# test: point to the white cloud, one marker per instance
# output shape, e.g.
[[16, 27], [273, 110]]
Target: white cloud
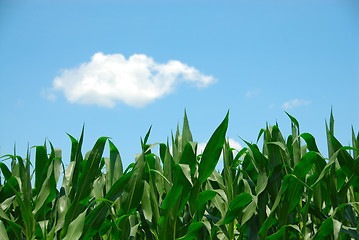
[[109, 79], [48, 94], [252, 93], [295, 103], [234, 144]]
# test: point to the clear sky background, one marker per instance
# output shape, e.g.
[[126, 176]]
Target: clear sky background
[[122, 66]]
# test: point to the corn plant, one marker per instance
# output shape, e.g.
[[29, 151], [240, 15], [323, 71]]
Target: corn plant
[[285, 189]]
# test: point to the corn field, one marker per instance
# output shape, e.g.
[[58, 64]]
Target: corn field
[[284, 190]]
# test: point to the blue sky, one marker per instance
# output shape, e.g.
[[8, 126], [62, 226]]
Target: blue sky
[[122, 66]]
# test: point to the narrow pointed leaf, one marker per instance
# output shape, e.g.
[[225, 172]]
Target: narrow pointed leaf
[[212, 151]]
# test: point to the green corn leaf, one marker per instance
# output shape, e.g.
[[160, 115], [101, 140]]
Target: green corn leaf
[[328, 228], [144, 142], [163, 150], [192, 232], [220, 201], [147, 135], [76, 157], [66, 180], [76, 146], [345, 160], [201, 202], [189, 157], [292, 190], [260, 134], [173, 204], [329, 140], [7, 190], [331, 122], [3, 214], [115, 170], [275, 181], [40, 229], [146, 202], [48, 189], [286, 232], [282, 146], [97, 216], [355, 205], [41, 165], [133, 191], [183, 174], [16, 230], [249, 211], [156, 189], [209, 160], [3, 233], [296, 154], [186, 171], [294, 121], [270, 221], [160, 174], [212, 151], [86, 178], [186, 132], [355, 142], [325, 169], [228, 172], [168, 165], [75, 228], [350, 231], [99, 187], [157, 181], [310, 140], [58, 164], [25, 200], [26, 215], [305, 165], [236, 207], [169, 213], [132, 195], [261, 162], [262, 182], [5, 171]]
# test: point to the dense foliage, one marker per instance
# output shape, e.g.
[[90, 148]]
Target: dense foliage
[[286, 190]]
